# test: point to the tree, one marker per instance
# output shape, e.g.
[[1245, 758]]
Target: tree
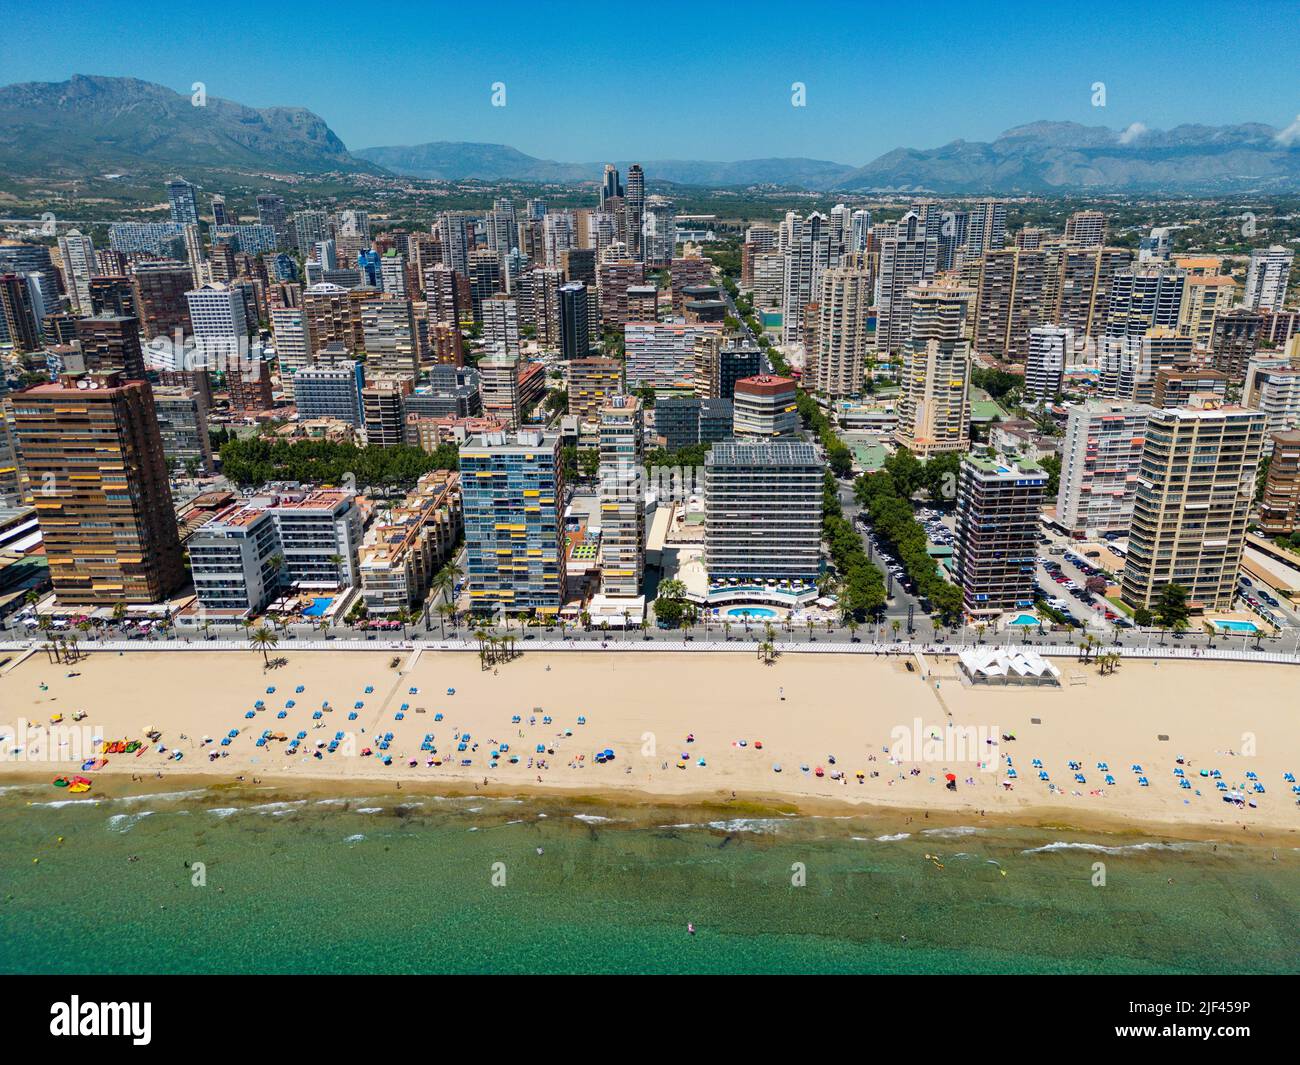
[[262, 640], [403, 617], [1171, 607], [1052, 464], [1142, 617]]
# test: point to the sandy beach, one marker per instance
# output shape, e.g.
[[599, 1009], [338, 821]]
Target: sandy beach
[[871, 715]]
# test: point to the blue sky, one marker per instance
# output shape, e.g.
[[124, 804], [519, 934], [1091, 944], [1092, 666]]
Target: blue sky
[[697, 80]]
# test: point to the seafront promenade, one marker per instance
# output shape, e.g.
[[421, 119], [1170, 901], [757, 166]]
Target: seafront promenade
[[615, 644]]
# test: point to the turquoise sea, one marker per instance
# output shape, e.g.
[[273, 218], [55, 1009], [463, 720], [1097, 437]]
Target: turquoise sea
[[404, 883]]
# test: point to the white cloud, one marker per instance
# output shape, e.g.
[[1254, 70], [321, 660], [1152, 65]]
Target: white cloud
[[1133, 132], [1289, 136]]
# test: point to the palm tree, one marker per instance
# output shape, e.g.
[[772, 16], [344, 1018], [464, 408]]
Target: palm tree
[[853, 628], [627, 620], [979, 632], [645, 626], [324, 626], [726, 628], [263, 639], [811, 626], [895, 625], [337, 562], [444, 610], [482, 637]]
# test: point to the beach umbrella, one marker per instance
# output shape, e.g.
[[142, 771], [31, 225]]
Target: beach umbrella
[[950, 776]]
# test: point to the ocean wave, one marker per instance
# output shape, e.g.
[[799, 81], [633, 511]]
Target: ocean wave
[[277, 809], [58, 804], [355, 839], [758, 825], [224, 811], [593, 819], [893, 838], [162, 796], [126, 822], [956, 832], [1100, 848], [371, 810]]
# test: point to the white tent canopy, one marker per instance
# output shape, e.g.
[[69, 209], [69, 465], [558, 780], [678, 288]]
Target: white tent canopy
[[991, 665]]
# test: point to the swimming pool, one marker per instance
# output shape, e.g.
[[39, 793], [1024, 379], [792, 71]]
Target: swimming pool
[[318, 607], [1237, 626], [1024, 619], [752, 611]]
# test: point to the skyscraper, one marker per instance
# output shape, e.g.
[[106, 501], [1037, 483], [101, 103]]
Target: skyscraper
[[905, 261], [1189, 517], [622, 497], [1267, 277], [94, 455], [843, 305], [575, 328], [933, 409], [183, 199], [998, 504], [513, 494], [78, 254]]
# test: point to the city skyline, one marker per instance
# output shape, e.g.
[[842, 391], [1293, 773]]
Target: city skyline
[[435, 78]]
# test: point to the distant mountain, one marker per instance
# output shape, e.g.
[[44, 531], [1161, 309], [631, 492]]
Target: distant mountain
[[1047, 157], [461, 160], [89, 125]]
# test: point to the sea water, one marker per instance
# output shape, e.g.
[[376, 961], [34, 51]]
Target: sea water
[[216, 880]]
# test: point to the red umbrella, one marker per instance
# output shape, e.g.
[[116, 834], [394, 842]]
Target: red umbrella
[[950, 776]]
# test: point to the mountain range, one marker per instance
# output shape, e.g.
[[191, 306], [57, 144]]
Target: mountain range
[[89, 125]]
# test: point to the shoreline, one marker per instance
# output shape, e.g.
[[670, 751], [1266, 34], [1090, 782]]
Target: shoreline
[[283, 788]]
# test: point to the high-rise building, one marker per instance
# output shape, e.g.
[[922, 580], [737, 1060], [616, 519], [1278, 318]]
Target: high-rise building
[[1049, 348], [622, 497], [20, 311], [575, 320], [905, 261], [987, 229], [662, 354], [389, 334], [634, 205], [592, 383], [1195, 488], [1175, 387], [160, 301], [1205, 297], [513, 496], [330, 390], [1279, 509], [539, 306], [763, 513], [383, 409], [403, 549], [683, 421], [843, 303], [1087, 229], [183, 200], [1233, 341], [293, 349], [183, 425], [1273, 387], [807, 255], [93, 453], [1100, 459], [934, 409], [499, 385], [111, 344], [765, 408], [78, 254], [998, 505], [501, 327], [1267, 277]]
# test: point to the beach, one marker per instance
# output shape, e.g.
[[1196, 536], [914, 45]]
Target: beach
[[699, 728]]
